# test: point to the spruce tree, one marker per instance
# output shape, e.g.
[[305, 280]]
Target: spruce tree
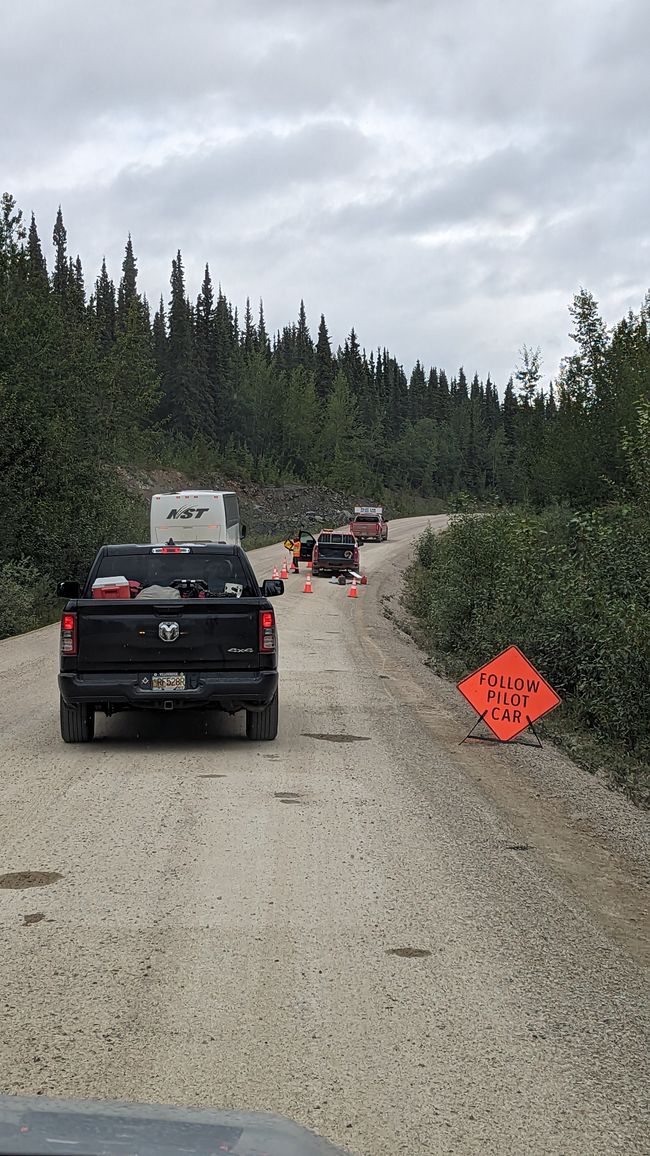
[[127, 291], [324, 362], [159, 335], [249, 335], [303, 343], [510, 412], [105, 308], [36, 264], [417, 393], [61, 273], [263, 343]]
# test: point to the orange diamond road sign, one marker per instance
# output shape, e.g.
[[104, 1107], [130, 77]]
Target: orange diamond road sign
[[508, 693]]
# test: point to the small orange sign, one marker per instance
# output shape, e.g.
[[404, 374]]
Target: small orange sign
[[508, 693]]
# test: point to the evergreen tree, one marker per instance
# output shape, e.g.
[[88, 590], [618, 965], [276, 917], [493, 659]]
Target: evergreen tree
[[205, 325], [443, 401], [510, 412], [249, 336], [417, 393], [263, 343], [105, 308], [187, 398], [76, 289], [159, 334], [303, 343], [36, 265], [324, 362], [61, 274], [127, 291]]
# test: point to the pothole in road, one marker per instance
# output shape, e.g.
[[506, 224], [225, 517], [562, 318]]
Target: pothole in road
[[17, 880], [35, 917], [338, 738], [288, 796], [213, 776], [408, 952], [516, 847]]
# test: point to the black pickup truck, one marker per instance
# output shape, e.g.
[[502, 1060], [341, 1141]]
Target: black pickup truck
[[195, 629]]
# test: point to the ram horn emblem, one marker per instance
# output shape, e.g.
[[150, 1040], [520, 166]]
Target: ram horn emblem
[[169, 631]]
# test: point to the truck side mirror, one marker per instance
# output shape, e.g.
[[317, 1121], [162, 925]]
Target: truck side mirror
[[67, 590], [272, 587], [242, 532]]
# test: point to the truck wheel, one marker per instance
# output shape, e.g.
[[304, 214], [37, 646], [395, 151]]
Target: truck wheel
[[77, 723], [262, 725]]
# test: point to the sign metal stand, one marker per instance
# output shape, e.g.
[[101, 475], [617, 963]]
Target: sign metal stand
[[503, 742]]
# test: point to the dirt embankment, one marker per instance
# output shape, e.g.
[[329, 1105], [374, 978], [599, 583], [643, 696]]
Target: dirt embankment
[[265, 509]]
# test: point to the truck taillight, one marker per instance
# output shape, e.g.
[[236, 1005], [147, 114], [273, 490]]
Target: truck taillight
[[267, 631], [69, 634]]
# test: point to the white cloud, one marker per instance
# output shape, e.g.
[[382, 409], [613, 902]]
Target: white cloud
[[441, 176]]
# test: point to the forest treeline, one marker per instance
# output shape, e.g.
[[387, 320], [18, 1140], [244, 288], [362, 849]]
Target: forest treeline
[[91, 376]]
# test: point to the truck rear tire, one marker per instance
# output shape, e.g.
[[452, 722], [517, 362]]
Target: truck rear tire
[[77, 723], [262, 725]]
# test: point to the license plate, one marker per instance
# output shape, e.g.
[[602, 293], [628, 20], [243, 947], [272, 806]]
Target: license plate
[[168, 682]]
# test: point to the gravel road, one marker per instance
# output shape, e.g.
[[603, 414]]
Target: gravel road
[[408, 945]]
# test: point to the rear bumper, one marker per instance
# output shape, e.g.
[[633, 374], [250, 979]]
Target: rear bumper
[[229, 691], [336, 566]]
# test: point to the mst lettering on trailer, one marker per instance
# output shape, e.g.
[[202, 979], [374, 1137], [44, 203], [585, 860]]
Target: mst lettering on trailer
[[188, 512], [207, 516], [508, 693]]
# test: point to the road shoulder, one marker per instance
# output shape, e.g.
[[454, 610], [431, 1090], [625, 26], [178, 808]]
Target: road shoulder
[[594, 840]]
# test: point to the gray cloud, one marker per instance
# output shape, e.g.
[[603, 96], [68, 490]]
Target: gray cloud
[[442, 176]]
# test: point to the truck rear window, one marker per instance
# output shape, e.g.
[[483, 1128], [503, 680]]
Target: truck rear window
[[365, 518], [163, 569]]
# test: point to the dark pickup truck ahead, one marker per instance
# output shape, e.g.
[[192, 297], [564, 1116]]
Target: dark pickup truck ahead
[[335, 552], [169, 627]]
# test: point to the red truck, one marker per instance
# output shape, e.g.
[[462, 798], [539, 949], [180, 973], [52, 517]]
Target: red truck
[[368, 524]]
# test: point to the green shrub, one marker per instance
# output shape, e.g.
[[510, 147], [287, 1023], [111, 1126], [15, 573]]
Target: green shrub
[[26, 598], [572, 591]]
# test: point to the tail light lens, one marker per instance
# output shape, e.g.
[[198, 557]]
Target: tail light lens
[[69, 634], [267, 631]]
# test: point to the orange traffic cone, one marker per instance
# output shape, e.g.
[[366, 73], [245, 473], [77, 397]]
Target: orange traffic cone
[[309, 565], [276, 572], [307, 587], [352, 592], [284, 573]]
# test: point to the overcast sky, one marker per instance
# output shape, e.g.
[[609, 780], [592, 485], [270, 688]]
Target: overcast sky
[[441, 174]]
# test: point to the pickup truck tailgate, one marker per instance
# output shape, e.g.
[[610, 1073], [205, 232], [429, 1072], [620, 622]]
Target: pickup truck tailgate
[[212, 633], [335, 552]]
